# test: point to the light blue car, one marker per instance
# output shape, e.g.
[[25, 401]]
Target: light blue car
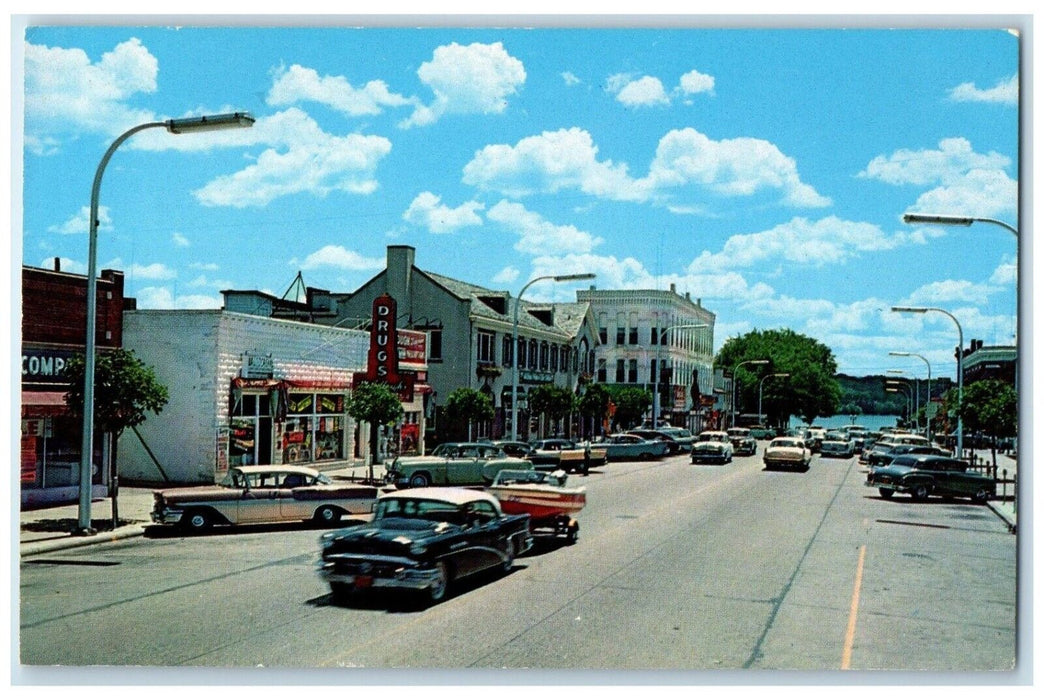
[[623, 446]]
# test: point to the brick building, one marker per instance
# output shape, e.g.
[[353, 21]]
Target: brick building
[[54, 324]]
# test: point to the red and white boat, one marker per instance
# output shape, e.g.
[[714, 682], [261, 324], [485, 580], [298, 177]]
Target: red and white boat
[[544, 496]]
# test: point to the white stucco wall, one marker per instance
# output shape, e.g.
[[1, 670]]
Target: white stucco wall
[[196, 354]]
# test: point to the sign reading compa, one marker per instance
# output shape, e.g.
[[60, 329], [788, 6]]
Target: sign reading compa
[[382, 363]]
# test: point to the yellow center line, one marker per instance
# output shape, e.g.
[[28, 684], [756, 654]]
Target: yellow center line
[[853, 613]]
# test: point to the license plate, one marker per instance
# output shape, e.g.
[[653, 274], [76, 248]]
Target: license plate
[[363, 581]]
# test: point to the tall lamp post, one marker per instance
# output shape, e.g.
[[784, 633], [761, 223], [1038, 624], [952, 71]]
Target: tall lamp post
[[235, 120], [960, 365], [761, 385], [656, 375], [735, 376], [927, 410], [514, 339], [912, 404]]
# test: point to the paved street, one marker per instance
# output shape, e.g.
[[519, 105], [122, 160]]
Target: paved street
[[678, 568]]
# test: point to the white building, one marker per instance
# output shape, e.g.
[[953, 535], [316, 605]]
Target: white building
[[244, 389], [641, 330]]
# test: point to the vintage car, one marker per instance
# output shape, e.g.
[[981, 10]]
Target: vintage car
[[814, 437], [787, 453], [928, 475], [262, 494], [622, 446], [760, 432], [559, 453], [711, 446], [837, 444], [422, 540], [683, 437], [885, 457], [657, 436], [743, 443], [514, 448], [452, 464]]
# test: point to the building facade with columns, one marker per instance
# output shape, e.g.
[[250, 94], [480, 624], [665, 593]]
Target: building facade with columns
[[641, 333]]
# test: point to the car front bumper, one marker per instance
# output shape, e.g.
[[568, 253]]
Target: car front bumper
[[168, 516], [377, 572]]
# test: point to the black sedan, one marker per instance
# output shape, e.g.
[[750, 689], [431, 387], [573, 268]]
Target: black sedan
[[923, 476], [421, 540]]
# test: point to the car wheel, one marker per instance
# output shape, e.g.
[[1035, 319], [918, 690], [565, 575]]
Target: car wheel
[[198, 521], [981, 496], [420, 480], [437, 589], [327, 515], [886, 493], [645, 455], [572, 534], [919, 492]]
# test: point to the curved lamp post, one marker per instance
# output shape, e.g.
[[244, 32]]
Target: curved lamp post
[[761, 385], [656, 376], [960, 365], [235, 120], [950, 220], [514, 339], [927, 429], [913, 402], [735, 370]]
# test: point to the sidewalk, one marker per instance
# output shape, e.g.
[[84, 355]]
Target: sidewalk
[[50, 529]]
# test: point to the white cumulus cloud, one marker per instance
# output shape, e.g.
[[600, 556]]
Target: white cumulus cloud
[[297, 84], [473, 79], [340, 257], [78, 223], [695, 82], [645, 91], [1005, 92], [427, 210], [537, 235]]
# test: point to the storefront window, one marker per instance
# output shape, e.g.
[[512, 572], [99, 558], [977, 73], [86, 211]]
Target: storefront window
[[314, 429]]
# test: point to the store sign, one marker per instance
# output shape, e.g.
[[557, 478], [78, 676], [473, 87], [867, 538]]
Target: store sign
[[45, 365], [413, 348], [257, 366], [382, 364]]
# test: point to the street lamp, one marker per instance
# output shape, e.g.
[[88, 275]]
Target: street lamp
[[761, 385], [894, 389], [927, 410], [514, 339], [949, 220], [960, 365], [913, 403], [235, 120], [735, 377], [656, 375]]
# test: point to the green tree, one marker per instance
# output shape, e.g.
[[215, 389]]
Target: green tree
[[991, 408], [554, 402], [631, 404], [811, 390], [374, 403], [594, 404], [467, 406], [125, 392]]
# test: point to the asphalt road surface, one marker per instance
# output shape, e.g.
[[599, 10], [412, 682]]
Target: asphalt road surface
[[679, 567]]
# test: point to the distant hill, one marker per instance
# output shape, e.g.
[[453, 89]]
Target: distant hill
[[868, 395]]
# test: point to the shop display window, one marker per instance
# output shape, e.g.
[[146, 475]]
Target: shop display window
[[314, 429]]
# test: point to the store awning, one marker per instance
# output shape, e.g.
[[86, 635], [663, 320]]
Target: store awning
[[43, 403]]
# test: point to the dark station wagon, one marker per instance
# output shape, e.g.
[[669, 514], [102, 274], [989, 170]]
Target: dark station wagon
[[924, 476]]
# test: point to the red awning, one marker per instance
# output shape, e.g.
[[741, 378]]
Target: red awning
[[38, 404]]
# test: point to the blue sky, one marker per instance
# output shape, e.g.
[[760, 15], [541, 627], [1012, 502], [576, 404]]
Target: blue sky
[[764, 170]]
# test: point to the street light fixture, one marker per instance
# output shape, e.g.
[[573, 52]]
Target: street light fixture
[[656, 375], [949, 220], [761, 385], [735, 377], [928, 418], [960, 365], [514, 339], [235, 120], [914, 403]]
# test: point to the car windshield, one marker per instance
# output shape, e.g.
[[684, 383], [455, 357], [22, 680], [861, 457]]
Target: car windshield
[[785, 443], [422, 509], [709, 437]]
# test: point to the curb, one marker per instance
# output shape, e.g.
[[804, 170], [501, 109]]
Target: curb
[[75, 541], [1007, 521]]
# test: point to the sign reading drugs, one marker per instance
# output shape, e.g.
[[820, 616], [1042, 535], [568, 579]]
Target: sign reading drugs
[[382, 364]]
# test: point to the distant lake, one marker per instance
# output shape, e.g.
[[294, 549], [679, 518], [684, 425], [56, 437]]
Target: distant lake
[[872, 422]]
